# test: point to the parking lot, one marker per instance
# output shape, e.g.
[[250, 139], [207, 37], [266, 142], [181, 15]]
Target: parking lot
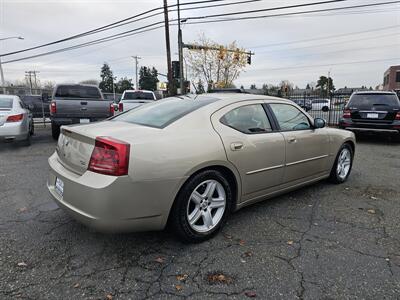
[[321, 242]]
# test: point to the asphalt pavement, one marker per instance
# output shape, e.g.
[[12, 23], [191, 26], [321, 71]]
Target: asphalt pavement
[[321, 242]]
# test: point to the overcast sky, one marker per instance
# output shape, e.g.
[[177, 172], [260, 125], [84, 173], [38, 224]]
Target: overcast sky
[[278, 54]]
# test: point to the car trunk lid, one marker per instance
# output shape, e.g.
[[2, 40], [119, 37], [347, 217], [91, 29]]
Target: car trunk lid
[[76, 143], [4, 115], [378, 115]]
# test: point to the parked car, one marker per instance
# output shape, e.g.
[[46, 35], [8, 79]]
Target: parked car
[[305, 104], [40, 104], [321, 104], [135, 98], [372, 112], [16, 123], [192, 162], [77, 104]]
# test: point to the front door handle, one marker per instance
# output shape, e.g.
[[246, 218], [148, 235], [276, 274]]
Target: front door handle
[[292, 140], [236, 146]]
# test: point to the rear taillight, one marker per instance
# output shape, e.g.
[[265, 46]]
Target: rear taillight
[[120, 107], [53, 108], [15, 118], [397, 116], [346, 114], [110, 157], [112, 109]]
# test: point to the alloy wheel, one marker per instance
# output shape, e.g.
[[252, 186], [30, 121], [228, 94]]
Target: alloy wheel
[[344, 163], [206, 206]]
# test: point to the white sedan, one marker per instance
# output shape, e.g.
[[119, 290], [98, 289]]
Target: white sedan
[[16, 123]]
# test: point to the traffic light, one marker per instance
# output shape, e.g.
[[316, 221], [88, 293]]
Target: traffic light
[[249, 59], [176, 69]]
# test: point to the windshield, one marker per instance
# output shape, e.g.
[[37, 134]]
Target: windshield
[[6, 103], [76, 91], [161, 113], [138, 96], [367, 101]]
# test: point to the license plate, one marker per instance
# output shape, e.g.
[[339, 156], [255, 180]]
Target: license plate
[[372, 116], [59, 186], [84, 121]]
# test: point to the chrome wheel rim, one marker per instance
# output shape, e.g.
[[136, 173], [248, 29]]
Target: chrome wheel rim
[[344, 162], [206, 206]]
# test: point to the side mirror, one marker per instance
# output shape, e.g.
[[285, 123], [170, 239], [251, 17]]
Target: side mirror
[[319, 123]]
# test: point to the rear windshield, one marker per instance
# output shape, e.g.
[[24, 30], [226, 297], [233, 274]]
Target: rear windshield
[[6, 103], [138, 96], [367, 101], [161, 113], [76, 91]]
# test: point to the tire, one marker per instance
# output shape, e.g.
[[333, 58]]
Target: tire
[[345, 159], [196, 200], [55, 131], [32, 129]]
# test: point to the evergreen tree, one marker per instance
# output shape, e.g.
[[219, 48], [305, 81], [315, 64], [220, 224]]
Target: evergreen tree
[[148, 78], [107, 80]]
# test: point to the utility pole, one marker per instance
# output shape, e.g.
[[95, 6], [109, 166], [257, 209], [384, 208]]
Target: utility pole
[[136, 58], [3, 82], [180, 47], [168, 47], [28, 75]]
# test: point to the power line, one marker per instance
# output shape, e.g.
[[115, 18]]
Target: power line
[[105, 27], [279, 15], [149, 28], [326, 37]]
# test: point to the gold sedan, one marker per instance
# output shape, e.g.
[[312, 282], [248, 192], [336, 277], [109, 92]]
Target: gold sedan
[[190, 162]]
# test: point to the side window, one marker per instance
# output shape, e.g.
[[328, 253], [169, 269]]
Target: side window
[[248, 119], [290, 118]]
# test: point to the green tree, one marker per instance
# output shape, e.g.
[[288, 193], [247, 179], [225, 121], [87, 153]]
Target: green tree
[[124, 84], [107, 80], [148, 78], [200, 87], [253, 87], [323, 84]]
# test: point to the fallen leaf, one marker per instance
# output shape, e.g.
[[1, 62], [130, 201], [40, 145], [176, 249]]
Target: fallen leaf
[[250, 294], [179, 287], [371, 211], [160, 260], [182, 277], [76, 285], [22, 209], [290, 242], [228, 236], [109, 297], [22, 264], [219, 278], [248, 254], [241, 242]]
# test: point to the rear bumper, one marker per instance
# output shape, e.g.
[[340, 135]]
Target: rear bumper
[[69, 121], [14, 131], [109, 203], [392, 128]]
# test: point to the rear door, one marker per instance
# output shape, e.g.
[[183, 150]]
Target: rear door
[[307, 149], [251, 145]]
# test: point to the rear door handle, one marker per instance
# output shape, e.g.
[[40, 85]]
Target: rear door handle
[[236, 146], [292, 140]]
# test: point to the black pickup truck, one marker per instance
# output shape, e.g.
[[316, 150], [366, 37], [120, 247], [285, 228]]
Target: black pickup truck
[[77, 103]]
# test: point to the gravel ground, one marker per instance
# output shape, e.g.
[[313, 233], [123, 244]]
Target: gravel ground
[[321, 242]]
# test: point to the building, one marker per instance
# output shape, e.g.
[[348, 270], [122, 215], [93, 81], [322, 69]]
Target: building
[[391, 78]]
